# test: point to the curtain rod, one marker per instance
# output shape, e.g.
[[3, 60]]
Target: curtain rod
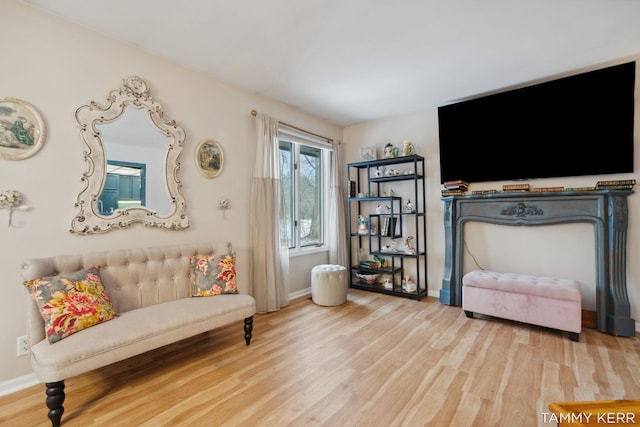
[[254, 113]]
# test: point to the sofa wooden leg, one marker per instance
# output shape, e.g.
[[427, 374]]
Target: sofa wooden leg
[[248, 328], [55, 399], [574, 336], [469, 314]]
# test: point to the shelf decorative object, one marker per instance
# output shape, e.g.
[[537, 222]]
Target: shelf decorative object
[[369, 279], [408, 207], [362, 225], [390, 151], [367, 154], [407, 148]]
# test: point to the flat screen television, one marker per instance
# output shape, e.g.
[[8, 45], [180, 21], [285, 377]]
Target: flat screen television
[[572, 126]]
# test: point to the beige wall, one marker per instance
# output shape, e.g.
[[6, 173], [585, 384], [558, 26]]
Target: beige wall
[[57, 67], [560, 250]]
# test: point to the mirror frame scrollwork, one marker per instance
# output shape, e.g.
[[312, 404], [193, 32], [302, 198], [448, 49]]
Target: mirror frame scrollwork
[[134, 93]]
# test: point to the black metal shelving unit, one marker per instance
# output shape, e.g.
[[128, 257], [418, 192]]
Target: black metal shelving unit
[[371, 185]]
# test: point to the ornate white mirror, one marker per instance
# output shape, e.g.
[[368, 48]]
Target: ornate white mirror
[[132, 163]]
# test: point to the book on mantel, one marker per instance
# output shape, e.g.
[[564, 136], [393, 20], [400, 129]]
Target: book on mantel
[[617, 184], [481, 192], [545, 189], [457, 184], [580, 188], [454, 192], [515, 187], [615, 187]]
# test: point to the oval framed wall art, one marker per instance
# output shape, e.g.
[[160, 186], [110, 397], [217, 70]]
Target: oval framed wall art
[[22, 130], [209, 158]]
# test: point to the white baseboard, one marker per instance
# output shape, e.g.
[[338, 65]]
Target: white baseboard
[[435, 294], [298, 294], [17, 384]]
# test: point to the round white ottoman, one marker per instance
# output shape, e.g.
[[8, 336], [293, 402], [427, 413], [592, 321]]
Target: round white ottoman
[[329, 284]]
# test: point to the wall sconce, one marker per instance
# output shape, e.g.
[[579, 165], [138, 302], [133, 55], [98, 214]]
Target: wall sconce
[[12, 200], [224, 206]]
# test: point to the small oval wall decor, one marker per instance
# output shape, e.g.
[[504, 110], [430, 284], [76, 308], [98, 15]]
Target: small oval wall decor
[[22, 130], [209, 158]]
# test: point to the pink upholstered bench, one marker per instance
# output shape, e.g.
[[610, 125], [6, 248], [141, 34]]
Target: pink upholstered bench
[[543, 301]]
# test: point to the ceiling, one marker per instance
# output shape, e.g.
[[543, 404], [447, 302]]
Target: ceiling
[[352, 61]]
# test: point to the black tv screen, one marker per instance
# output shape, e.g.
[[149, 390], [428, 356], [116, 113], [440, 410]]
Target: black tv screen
[[572, 126]]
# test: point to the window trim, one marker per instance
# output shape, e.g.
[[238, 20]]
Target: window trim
[[303, 137], [297, 138]]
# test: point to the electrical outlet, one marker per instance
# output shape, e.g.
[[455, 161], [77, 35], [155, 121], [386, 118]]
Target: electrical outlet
[[23, 346]]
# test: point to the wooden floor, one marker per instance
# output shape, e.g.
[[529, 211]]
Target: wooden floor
[[376, 361]]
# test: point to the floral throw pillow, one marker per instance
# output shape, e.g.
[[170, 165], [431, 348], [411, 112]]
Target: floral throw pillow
[[72, 302], [213, 275]]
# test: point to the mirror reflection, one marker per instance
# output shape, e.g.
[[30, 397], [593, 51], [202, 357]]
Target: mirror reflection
[[124, 187]]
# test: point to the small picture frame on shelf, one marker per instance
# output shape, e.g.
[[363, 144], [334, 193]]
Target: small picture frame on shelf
[[368, 153]]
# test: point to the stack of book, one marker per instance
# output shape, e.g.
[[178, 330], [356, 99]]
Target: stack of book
[[545, 189], [481, 192], [515, 187], [371, 265], [352, 189], [618, 184], [455, 188], [580, 188], [389, 226]]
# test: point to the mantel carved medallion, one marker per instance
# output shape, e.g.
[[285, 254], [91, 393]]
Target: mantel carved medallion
[[521, 210]]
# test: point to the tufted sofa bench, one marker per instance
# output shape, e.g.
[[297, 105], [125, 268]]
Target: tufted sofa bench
[[149, 290], [543, 301]]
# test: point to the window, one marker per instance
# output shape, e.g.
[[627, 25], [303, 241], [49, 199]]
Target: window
[[303, 173]]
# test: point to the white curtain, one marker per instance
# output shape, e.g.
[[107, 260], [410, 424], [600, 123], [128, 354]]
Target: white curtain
[[337, 235], [269, 260]]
